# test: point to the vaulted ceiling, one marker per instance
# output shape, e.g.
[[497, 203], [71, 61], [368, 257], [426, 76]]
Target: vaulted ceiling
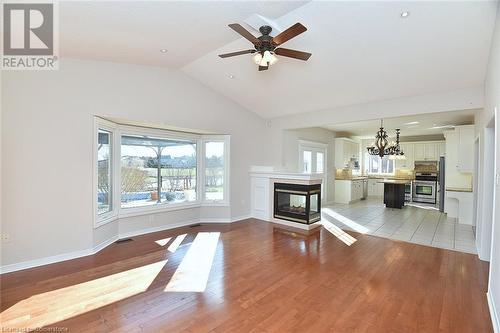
[[362, 51]]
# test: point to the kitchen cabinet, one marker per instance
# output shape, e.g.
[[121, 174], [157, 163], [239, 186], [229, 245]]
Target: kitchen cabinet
[[431, 152], [419, 151], [442, 149], [347, 191], [426, 151], [465, 158], [408, 161], [458, 170], [375, 188], [346, 150]]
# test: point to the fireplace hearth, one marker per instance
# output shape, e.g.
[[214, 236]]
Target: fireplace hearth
[[297, 202]]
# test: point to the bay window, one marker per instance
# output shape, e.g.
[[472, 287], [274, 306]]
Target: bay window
[[138, 170]]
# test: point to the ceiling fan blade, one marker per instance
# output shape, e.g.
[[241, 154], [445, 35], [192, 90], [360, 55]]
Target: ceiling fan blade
[[245, 33], [289, 33], [292, 53], [232, 54], [263, 68]]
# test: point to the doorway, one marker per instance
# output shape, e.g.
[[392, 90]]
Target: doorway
[[485, 193]]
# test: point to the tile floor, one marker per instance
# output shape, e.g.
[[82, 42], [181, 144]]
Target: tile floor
[[415, 223]]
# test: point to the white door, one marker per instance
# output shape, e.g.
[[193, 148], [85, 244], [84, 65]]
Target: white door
[[312, 159]]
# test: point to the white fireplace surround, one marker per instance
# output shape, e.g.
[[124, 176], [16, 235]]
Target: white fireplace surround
[[262, 181]]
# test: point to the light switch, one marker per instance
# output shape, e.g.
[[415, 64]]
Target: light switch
[[497, 180]]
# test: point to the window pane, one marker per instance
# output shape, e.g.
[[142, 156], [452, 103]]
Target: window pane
[[104, 188], [378, 165], [156, 170], [214, 170], [319, 163], [307, 161]]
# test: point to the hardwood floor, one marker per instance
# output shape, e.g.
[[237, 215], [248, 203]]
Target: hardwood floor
[[252, 277]]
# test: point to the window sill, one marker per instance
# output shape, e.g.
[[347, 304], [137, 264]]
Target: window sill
[[137, 211], [214, 204]]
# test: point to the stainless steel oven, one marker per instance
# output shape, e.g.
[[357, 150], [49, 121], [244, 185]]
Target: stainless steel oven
[[424, 191], [408, 190]]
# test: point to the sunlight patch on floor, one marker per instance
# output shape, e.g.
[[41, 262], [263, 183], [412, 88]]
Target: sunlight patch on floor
[[175, 244], [194, 269], [60, 304], [163, 242], [422, 206], [346, 221], [339, 233]]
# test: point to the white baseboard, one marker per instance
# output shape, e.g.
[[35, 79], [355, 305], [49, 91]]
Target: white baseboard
[[156, 229], [83, 253], [57, 258], [493, 313], [240, 218]]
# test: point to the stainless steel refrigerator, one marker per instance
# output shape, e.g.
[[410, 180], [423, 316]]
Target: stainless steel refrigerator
[[441, 181]]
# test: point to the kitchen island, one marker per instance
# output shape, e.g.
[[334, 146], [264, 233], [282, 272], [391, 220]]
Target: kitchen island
[[394, 192]]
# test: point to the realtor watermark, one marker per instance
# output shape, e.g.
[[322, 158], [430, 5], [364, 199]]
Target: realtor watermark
[[30, 34]]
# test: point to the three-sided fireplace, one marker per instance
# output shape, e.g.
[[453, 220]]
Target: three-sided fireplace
[[297, 202]]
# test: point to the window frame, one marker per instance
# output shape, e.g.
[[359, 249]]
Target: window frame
[[226, 140], [104, 218], [315, 147], [368, 167], [117, 130]]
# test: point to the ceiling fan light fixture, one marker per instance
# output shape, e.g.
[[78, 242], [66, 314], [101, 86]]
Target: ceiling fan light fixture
[[257, 58], [266, 47], [274, 59], [267, 56]]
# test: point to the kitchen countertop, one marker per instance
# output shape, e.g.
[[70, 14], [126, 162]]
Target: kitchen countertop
[[458, 189], [353, 178], [395, 181], [375, 177]]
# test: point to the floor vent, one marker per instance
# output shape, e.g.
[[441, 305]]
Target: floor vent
[[195, 225], [124, 240]]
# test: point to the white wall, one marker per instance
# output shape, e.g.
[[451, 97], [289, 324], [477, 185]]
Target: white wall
[[47, 137], [492, 101], [290, 152]]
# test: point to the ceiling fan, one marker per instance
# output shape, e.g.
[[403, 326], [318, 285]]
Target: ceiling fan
[[266, 46]]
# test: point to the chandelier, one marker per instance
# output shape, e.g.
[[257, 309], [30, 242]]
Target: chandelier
[[381, 146]]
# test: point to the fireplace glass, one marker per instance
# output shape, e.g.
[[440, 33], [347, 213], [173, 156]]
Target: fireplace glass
[[297, 202]]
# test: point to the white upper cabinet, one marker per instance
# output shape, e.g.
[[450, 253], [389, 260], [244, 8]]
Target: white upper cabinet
[[345, 150], [460, 148], [442, 149], [431, 152], [419, 151], [465, 158], [428, 151], [408, 161]]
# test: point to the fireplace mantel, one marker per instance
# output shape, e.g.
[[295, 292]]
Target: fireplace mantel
[[262, 195]]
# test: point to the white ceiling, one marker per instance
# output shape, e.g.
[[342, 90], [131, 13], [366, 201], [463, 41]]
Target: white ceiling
[[136, 31], [417, 125], [362, 51]]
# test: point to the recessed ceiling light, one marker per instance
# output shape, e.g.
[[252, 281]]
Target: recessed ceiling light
[[163, 50], [405, 14], [231, 76], [442, 126]]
